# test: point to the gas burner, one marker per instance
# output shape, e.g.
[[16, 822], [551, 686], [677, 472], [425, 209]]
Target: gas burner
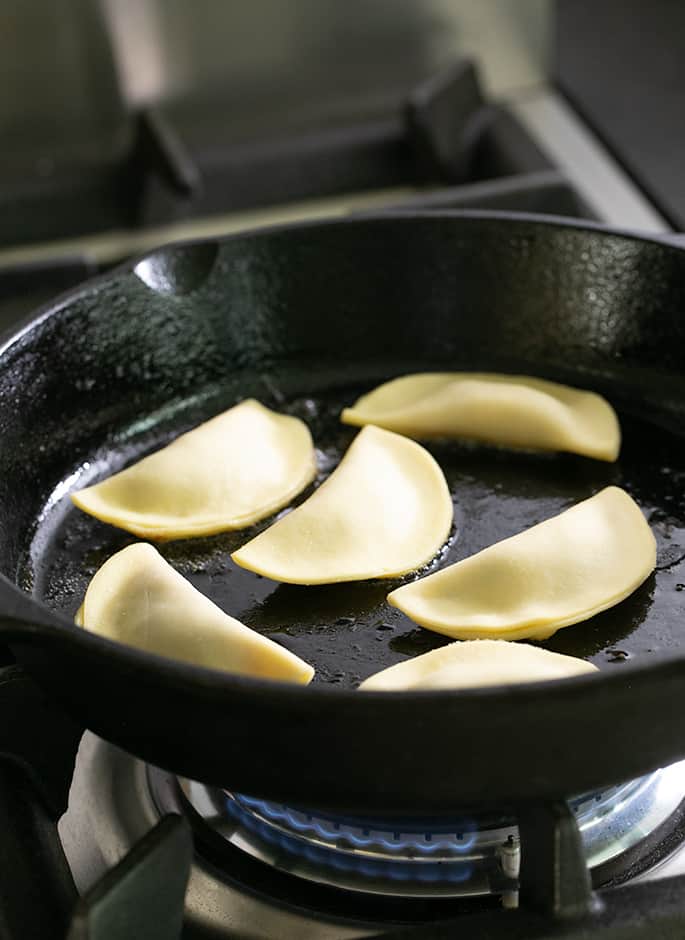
[[466, 856]]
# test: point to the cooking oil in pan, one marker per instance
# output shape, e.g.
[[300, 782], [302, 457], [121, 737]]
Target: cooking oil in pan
[[347, 631]]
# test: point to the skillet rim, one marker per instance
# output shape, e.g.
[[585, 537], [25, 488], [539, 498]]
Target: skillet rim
[[14, 333]]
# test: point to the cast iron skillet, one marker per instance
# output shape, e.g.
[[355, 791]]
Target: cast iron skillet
[[305, 318]]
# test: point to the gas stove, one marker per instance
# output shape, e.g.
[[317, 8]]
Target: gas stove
[[363, 872], [95, 843]]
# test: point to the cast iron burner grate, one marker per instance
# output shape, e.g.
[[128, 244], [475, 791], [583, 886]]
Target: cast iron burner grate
[[467, 856]]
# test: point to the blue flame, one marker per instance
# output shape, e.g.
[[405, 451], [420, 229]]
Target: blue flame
[[421, 845], [421, 868]]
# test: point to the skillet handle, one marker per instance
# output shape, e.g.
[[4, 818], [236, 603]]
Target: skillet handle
[[13, 631], [22, 618]]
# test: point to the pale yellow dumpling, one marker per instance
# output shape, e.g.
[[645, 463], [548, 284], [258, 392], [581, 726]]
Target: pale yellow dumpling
[[557, 573], [507, 410], [386, 510], [475, 663], [139, 599], [229, 472]]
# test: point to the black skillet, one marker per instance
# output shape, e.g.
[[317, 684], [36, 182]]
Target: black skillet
[[305, 318]]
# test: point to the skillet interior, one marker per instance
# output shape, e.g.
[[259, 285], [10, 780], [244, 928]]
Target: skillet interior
[[348, 631], [320, 312]]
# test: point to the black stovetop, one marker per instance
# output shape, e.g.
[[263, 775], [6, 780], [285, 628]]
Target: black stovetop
[[204, 158]]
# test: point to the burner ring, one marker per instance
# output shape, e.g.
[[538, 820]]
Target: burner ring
[[468, 856]]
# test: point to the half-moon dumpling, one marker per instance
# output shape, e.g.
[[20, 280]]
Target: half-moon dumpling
[[509, 410], [384, 511], [557, 573], [475, 663], [229, 472], [139, 599]]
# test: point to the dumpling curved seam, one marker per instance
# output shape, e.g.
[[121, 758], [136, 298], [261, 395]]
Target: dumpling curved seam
[[343, 468], [207, 526], [563, 412], [520, 626]]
